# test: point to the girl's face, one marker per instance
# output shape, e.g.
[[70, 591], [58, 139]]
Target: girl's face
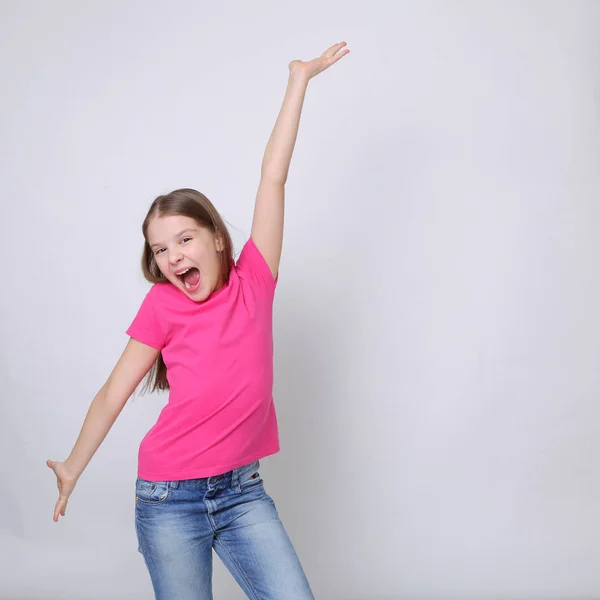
[[187, 254]]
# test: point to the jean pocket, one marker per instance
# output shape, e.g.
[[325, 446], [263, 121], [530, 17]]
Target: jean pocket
[[250, 481], [151, 492]]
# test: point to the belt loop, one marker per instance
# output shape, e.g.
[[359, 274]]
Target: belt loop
[[235, 480], [174, 484]]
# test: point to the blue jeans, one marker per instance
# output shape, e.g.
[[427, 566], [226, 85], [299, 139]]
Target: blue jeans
[[178, 523]]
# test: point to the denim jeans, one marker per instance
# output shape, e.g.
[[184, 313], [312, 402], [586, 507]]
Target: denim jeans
[[178, 523]]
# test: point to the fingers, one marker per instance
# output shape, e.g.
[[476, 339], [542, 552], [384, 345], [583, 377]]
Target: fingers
[[333, 49], [60, 508], [334, 59]]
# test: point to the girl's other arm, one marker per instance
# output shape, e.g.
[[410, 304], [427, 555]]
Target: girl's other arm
[[267, 224], [133, 365]]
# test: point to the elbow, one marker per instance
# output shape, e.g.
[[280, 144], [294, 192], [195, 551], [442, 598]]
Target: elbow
[[113, 396]]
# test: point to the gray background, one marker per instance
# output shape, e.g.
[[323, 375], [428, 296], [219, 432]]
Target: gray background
[[436, 324]]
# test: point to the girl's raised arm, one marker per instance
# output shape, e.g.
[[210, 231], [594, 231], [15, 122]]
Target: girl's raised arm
[[267, 224]]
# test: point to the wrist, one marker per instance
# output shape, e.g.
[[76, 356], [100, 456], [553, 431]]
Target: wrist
[[298, 78], [71, 470]]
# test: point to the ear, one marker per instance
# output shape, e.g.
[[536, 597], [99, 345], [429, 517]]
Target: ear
[[219, 245]]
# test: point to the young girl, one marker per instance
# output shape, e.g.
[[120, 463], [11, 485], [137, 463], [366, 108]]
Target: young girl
[[205, 330]]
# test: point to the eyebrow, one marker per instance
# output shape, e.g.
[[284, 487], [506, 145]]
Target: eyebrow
[[175, 236]]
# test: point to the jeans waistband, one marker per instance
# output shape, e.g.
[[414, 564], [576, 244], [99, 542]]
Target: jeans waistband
[[224, 480]]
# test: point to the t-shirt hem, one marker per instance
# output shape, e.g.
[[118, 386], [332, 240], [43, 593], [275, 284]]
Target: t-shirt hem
[[207, 471], [140, 337]]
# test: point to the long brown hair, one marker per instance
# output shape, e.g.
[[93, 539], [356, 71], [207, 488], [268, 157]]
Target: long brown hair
[[187, 203]]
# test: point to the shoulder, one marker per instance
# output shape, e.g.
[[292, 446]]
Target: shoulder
[[161, 298], [251, 264], [160, 293]]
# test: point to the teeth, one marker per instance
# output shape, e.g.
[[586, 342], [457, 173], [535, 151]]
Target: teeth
[[187, 286]]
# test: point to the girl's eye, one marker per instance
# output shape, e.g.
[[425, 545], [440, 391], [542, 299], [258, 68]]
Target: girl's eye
[[182, 239]]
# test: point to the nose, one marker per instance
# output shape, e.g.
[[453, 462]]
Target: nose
[[175, 258]]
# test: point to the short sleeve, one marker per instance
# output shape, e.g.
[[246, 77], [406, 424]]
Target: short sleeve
[[146, 326], [252, 267]]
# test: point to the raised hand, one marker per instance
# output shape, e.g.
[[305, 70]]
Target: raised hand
[[311, 68]]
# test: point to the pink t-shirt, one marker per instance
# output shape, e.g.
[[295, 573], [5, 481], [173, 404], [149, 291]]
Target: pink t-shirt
[[219, 356]]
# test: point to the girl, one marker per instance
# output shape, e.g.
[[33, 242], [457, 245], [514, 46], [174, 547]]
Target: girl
[[205, 330]]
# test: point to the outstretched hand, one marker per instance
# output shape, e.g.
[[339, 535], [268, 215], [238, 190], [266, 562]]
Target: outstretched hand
[[311, 68], [65, 481]]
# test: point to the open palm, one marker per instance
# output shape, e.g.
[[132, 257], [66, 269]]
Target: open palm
[[311, 68]]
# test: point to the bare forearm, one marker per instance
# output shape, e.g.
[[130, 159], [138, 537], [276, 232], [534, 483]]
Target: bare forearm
[[278, 153], [99, 419]]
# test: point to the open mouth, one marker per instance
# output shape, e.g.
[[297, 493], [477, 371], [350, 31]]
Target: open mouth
[[190, 279]]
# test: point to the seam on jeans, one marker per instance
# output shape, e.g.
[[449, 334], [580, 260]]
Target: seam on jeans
[[241, 571], [209, 515]]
